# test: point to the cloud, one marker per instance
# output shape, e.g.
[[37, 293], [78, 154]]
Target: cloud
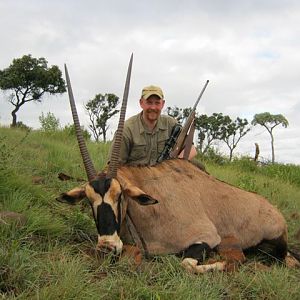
[[249, 50]]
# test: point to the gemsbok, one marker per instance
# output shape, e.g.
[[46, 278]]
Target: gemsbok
[[174, 207]]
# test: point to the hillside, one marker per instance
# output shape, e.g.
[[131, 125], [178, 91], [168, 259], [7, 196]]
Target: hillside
[[48, 251]]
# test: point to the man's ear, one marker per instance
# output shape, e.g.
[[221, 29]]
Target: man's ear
[[139, 196], [141, 103], [73, 196]]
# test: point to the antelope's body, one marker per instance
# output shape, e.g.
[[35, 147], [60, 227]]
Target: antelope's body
[[177, 207], [194, 207], [194, 213]]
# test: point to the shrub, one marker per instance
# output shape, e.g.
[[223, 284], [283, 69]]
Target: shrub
[[49, 122], [245, 163], [70, 130], [23, 126], [213, 155]]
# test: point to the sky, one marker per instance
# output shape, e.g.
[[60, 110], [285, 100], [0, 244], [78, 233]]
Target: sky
[[249, 50]]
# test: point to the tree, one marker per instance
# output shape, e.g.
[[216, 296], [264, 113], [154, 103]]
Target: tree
[[178, 113], [100, 110], [233, 131], [210, 128], [29, 79], [270, 121]]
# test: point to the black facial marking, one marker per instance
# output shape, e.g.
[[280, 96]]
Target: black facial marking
[[197, 251], [65, 198], [106, 220], [101, 185]]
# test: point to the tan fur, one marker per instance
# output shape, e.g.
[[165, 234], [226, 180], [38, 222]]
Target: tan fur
[[132, 252], [195, 207], [231, 251], [111, 197], [78, 193]]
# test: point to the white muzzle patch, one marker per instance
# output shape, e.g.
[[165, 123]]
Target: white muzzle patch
[[110, 243]]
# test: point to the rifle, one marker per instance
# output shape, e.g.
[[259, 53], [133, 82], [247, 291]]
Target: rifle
[[165, 154], [181, 136]]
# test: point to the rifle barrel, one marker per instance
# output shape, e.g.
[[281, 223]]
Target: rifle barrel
[[186, 128], [196, 104]]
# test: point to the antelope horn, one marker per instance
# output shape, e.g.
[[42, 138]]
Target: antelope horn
[[115, 153], [88, 164]]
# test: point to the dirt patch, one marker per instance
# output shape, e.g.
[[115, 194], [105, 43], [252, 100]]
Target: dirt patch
[[8, 217], [38, 180]]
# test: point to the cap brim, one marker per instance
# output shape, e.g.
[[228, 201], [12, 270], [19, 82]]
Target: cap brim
[[147, 95]]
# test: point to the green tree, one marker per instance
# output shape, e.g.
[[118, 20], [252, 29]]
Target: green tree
[[49, 122], [210, 129], [233, 131], [270, 121], [100, 110], [178, 113], [29, 79]]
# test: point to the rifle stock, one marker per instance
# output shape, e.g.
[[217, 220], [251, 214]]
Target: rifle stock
[[185, 131]]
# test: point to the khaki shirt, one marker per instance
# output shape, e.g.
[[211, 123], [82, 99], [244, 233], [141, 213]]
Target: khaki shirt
[[141, 146]]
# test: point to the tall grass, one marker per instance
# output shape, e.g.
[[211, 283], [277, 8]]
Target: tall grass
[[285, 172], [52, 256]]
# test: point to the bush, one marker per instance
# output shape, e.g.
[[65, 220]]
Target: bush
[[213, 155], [70, 130], [23, 126], [49, 122], [245, 163]]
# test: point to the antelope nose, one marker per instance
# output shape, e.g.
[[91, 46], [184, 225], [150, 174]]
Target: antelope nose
[[106, 247]]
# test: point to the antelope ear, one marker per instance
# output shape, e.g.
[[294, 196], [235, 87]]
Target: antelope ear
[[73, 196], [139, 196]]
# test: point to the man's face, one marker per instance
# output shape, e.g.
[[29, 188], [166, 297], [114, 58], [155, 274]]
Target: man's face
[[152, 107]]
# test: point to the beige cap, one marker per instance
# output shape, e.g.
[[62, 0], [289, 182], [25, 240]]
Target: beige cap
[[152, 90]]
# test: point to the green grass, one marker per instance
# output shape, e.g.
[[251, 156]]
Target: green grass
[[52, 256]]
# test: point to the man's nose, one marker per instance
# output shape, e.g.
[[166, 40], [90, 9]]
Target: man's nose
[[153, 106]]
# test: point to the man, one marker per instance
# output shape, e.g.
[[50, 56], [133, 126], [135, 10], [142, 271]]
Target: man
[[146, 133]]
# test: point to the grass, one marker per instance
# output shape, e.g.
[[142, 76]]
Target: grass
[[52, 256]]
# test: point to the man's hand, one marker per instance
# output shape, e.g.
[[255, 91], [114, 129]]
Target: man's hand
[[193, 153]]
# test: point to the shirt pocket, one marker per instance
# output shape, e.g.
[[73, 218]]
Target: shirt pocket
[[138, 152]]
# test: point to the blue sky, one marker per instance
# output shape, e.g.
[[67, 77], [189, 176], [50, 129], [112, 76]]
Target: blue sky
[[249, 50]]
